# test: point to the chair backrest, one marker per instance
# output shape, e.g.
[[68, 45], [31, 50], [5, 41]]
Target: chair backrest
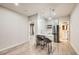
[[40, 37]]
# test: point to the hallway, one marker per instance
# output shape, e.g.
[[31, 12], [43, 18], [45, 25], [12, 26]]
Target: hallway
[[62, 48]]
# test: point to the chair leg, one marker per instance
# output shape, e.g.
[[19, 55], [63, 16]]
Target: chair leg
[[49, 48]]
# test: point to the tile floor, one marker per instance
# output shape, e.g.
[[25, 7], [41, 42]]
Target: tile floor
[[62, 48]]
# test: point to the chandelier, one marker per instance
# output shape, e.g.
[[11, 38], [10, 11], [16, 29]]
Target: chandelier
[[52, 14]]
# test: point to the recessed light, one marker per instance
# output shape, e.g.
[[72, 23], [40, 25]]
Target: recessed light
[[16, 4]]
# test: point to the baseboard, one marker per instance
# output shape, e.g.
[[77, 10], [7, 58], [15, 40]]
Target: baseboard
[[5, 50], [76, 50]]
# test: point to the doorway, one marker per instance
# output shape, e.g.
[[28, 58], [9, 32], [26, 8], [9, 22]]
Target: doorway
[[31, 34], [64, 31]]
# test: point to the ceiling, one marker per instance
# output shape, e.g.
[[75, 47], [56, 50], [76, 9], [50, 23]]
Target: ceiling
[[28, 9]]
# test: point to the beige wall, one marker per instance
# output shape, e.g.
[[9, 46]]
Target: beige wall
[[74, 27], [13, 29]]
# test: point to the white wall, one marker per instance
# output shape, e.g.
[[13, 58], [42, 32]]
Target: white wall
[[41, 25], [13, 29], [74, 33], [32, 20]]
